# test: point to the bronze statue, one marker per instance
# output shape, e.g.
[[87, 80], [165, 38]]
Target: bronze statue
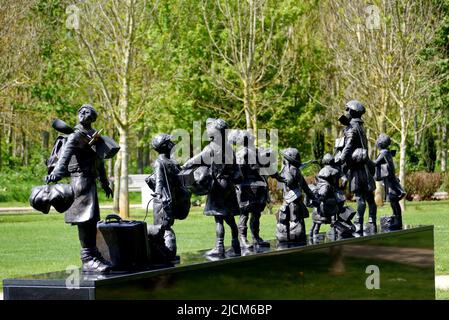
[[353, 156], [221, 201], [171, 200], [385, 172], [291, 215], [84, 166], [332, 199], [252, 192]]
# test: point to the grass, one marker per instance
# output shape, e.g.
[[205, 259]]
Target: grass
[[37, 243]]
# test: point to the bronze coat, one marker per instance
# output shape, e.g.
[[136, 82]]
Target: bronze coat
[[82, 164], [360, 175]]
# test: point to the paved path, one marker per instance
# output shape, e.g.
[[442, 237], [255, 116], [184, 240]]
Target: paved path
[[442, 282], [29, 209]]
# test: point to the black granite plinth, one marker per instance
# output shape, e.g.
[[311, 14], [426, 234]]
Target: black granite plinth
[[324, 270]]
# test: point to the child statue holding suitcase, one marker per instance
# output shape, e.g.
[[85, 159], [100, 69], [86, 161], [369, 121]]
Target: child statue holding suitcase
[[332, 199], [84, 166], [171, 201], [291, 215], [385, 172]]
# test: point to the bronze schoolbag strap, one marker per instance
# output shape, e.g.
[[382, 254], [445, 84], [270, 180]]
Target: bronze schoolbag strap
[[166, 179]]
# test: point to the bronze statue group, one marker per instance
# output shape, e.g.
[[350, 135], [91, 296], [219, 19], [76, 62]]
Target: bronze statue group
[[229, 172], [236, 186]]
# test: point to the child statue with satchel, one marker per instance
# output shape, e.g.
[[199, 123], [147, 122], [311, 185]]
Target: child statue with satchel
[[291, 215], [385, 172], [358, 167], [218, 164], [79, 156], [171, 201], [252, 191]]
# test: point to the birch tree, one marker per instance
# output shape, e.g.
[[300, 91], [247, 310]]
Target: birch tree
[[17, 42], [251, 46], [378, 52], [19, 66], [111, 35]]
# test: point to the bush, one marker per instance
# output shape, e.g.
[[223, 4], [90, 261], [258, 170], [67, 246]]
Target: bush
[[275, 191], [15, 185], [422, 185]]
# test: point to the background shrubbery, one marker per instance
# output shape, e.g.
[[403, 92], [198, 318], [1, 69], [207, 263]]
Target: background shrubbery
[[15, 186], [422, 185]]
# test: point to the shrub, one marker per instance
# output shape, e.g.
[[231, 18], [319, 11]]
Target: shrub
[[422, 185], [15, 185], [275, 190]]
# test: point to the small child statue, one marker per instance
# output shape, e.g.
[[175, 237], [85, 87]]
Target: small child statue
[[291, 215], [325, 190], [171, 201], [252, 192], [385, 172], [332, 209]]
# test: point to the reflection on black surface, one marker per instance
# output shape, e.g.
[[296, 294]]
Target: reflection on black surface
[[191, 258], [322, 269]]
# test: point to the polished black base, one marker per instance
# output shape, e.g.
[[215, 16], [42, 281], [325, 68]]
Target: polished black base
[[393, 265]]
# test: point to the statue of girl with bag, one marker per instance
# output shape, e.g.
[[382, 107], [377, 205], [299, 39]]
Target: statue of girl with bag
[[385, 172], [219, 158]]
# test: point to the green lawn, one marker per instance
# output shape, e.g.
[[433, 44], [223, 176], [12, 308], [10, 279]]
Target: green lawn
[[37, 243]]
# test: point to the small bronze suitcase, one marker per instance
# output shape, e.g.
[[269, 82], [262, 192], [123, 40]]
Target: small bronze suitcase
[[124, 243]]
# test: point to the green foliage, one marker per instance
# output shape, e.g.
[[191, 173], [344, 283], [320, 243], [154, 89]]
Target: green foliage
[[428, 150], [16, 185], [177, 56], [318, 145]]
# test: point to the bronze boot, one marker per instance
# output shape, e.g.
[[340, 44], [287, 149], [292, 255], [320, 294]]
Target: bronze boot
[[93, 262], [218, 251]]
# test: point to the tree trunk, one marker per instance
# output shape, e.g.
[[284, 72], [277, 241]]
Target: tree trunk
[[110, 169], [146, 149], [118, 162], [1, 138], [24, 149], [139, 155], [139, 152], [45, 135], [403, 150], [9, 138], [254, 114], [379, 194], [415, 131], [124, 197], [444, 147], [247, 105]]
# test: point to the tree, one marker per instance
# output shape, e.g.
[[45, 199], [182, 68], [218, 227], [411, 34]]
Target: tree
[[379, 57], [428, 150], [19, 65], [318, 145], [251, 45], [111, 34]]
